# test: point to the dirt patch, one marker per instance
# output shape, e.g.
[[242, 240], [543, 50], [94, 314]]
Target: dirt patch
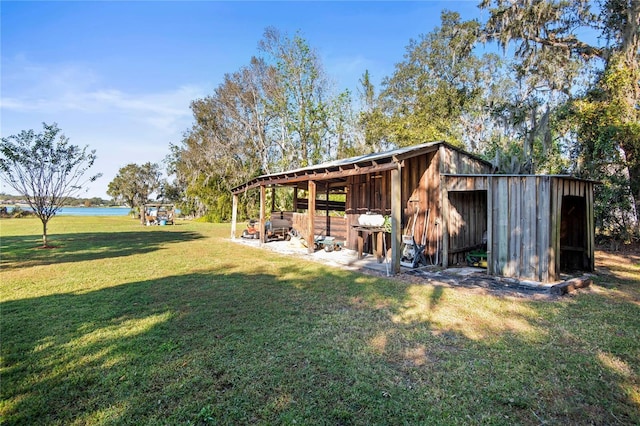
[[476, 280], [621, 264]]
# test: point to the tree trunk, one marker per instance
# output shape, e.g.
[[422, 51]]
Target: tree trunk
[[44, 234], [142, 211]]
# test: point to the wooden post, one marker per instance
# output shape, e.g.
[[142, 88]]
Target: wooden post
[[311, 213], [396, 218], [263, 234], [445, 221], [273, 198], [591, 226], [556, 211], [379, 249], [327, 217], [295, 198], [234, 216], [502, 226], [360, 243], [490, 266]]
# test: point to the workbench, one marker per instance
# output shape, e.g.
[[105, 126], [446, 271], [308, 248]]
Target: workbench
[[377, 233]]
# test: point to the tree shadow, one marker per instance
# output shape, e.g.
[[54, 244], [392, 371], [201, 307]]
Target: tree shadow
[[23, 251], [111, 353], [290, 343]]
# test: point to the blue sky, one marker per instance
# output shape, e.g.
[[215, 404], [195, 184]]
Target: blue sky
[[119, 76]]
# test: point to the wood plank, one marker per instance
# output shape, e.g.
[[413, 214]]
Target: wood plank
[[513, 262], [384, 188], [556, 189], [396, 218], [490, 267], [591, 228], [446, 218], [558, 215], [317, 175], [442, 161], [263, 234], [529, 231], [311, 216], [544, 227], [234, 215], [502, 201]]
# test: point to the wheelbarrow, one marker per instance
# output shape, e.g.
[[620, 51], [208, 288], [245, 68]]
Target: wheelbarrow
[[327, 244], [477, 258]]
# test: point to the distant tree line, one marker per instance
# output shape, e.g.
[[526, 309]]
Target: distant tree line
[[558, 104], [71, 201]]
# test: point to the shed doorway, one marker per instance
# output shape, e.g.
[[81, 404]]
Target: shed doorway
[[467, 227], [573, 235]]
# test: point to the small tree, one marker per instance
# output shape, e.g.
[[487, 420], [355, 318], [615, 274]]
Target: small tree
[[45, 169], [134, 184]]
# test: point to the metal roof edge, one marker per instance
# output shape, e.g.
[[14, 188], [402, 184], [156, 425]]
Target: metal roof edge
[[519, 175], [401, 153]]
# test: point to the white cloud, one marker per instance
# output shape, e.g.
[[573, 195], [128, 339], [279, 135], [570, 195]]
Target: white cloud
[[66, 89], [123, 127]]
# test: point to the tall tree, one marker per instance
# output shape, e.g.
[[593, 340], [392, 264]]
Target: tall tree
[[134, 184], [300, 101], [275, 114], [229, 141], [371, 118], [547, 39], [45, 169], [545, 69], [440, 83]]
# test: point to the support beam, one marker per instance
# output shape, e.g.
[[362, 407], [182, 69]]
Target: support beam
[[445, 225], [273, 198], [591, 227], [263, 234], [311, 213], [327, 218], [295, 198], [234, 216], [396, 218], [490, 264]]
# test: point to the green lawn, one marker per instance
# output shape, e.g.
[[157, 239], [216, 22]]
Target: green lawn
[[125, 324]]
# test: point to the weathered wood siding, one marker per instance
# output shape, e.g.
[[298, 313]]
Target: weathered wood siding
[[461, 223], [421, 201], [522, 219], [527, 238], [537, 226], [457, 162], [366, 193], [421, 194], [323, 225]]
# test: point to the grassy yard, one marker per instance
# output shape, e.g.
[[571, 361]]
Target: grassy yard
[[124, 324]]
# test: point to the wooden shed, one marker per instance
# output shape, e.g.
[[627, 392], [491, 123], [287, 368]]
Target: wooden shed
[[537, 225], [447, 198]]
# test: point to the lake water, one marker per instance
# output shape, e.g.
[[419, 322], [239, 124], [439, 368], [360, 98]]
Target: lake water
[[88, 211], [94, 211]]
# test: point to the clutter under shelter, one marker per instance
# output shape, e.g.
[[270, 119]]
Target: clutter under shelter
[[435, 204], [158, 214]]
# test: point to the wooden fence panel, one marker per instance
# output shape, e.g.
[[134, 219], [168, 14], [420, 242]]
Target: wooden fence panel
[[529, 256], [322, 225]]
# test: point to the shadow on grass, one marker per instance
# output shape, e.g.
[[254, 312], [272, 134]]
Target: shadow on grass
[[318, 348], [23, 251]]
